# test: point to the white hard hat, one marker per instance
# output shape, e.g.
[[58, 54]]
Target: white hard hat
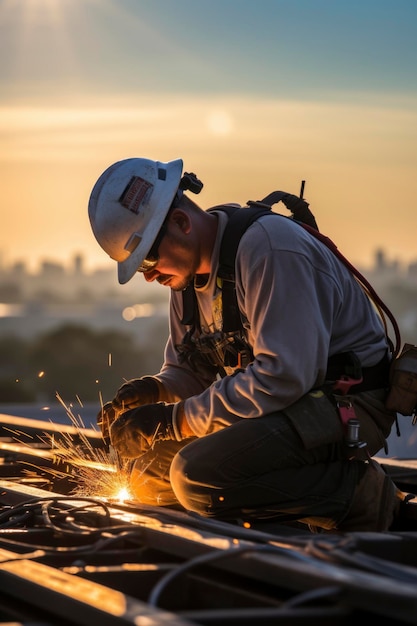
[[127, 207]]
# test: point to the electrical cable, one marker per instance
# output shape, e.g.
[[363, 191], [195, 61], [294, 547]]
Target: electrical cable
[[359, 560], [48, 501], [45, 514], [312, 595], [211, 557]]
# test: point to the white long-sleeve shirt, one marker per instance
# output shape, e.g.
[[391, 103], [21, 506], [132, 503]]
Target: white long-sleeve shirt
[[300, 305]]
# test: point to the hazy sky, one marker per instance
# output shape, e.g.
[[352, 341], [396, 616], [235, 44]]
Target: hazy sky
[[254, 96]]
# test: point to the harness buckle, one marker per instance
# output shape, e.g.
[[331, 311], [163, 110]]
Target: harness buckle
[[344, 383], [350, 423]]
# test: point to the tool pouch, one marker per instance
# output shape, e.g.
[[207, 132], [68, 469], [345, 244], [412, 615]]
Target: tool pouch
[[316, 419], [402, 394]]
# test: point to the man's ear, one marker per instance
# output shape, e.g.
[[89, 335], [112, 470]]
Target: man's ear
[[181, 219]]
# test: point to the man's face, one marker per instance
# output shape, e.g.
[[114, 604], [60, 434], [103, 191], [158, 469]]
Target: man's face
[[178, 259]]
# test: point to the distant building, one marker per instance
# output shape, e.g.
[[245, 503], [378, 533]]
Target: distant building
[[78, 265], [412, 271]]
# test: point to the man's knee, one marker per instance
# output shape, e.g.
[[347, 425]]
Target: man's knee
[[191, 492]]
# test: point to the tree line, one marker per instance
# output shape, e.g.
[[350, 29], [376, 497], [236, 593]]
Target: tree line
[[73, 361]]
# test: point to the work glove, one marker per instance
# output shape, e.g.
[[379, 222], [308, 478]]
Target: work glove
[[137, 392], [136, 430], [132, 393]]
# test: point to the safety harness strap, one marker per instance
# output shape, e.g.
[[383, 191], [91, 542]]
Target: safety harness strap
[[189, 306], [239, 220]]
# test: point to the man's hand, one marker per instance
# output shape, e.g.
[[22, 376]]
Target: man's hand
[[132, 393], [137, 392], [136, 430]]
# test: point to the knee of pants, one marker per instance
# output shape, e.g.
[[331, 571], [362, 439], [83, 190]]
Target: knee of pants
[[192, 494]]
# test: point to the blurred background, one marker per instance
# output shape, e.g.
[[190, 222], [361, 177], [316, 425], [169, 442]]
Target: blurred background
[[253, 97]]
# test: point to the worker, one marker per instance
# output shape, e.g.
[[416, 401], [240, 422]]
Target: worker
[[253, 424]]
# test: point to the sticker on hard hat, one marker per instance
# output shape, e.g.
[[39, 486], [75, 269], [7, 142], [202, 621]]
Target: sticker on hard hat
[[135, 193]]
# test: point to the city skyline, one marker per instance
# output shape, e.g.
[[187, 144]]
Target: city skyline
[[77, 264]]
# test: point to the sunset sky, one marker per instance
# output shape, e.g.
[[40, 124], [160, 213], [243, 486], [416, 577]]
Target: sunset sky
[[254, 96]]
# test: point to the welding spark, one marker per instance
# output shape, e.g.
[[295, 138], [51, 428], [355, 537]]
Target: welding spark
[[123, 494], [100, 472], [95, 469], [83, 459]]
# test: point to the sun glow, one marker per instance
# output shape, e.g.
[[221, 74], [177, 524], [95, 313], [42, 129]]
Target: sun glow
[[41, 46], [28, 17]]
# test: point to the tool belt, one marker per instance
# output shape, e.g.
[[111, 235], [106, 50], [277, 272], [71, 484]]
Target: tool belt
[[346, 375]]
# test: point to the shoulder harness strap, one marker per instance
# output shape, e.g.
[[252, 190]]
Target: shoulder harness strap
[[239, 220]]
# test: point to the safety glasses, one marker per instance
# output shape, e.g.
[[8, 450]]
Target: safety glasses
[[152, 258]]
